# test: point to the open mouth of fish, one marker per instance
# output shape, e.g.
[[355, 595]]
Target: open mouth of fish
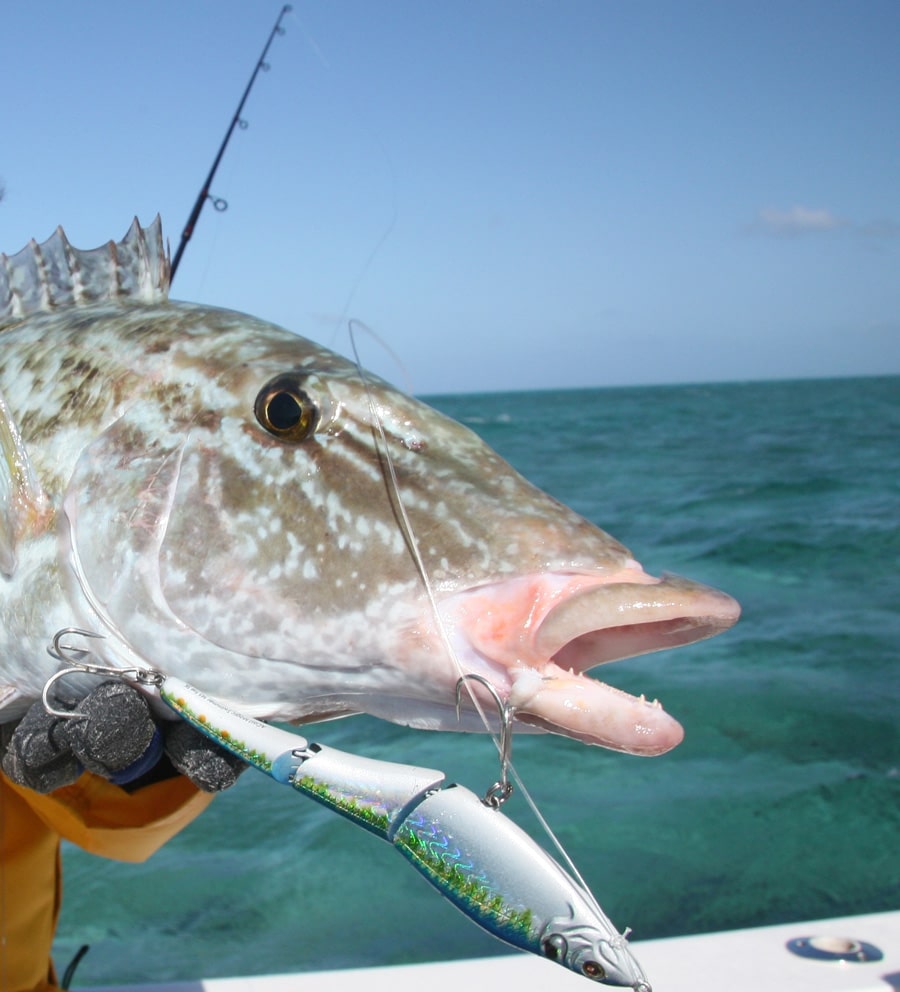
[[535, 637]]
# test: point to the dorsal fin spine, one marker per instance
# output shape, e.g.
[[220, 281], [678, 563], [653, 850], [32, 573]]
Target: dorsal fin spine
[[43, 287], [73, 261], [55, 274]]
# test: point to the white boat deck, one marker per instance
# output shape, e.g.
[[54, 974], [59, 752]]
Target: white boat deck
[[756, 960]]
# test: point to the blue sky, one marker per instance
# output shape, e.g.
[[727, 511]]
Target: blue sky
[[512, 195]]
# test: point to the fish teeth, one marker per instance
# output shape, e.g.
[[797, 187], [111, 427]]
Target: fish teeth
[[656, 704]]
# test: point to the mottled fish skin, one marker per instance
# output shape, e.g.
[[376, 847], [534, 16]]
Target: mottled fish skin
[[275, 574]]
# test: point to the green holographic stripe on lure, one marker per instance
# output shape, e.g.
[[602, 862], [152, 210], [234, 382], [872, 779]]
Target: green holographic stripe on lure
[[224, 737], [360, 812], [432, 851]]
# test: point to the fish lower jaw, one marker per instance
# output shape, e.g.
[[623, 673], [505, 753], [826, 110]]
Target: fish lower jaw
[[551, 699], [585, 709]]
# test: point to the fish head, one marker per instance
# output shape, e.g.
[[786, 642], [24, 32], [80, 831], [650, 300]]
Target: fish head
[[304, 540], [597, 952]]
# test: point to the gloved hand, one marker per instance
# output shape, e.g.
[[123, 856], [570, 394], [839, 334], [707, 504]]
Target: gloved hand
[[114, 735]]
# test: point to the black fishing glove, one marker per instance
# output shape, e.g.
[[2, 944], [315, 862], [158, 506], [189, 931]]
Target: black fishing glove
[[115, 736]]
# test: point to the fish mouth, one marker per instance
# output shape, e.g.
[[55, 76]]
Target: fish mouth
[[536, 637]]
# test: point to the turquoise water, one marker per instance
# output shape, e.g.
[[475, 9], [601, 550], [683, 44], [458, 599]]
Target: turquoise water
[[783, 802]]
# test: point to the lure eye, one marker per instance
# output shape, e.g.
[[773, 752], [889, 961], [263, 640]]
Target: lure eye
[[555, 947], [594, 970], [284, 409]]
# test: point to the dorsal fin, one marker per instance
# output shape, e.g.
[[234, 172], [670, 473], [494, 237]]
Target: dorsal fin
[[54, 274]]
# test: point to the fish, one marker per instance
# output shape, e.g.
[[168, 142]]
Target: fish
[[227, 502]]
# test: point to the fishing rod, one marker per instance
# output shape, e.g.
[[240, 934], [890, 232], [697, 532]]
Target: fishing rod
[[237, 120]]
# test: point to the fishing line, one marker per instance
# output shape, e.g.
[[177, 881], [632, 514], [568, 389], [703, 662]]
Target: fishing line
[[213, 245], [409, 535], [361, 119], [310, 40], [419, 562], [367, 264], [380, 341]]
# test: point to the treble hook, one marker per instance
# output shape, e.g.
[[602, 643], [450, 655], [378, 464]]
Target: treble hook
[[502, 789], [65, 653], [61, 651]]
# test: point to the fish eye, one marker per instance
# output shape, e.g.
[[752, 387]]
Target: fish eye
[[594, 970], [284, 409], [555, 947]]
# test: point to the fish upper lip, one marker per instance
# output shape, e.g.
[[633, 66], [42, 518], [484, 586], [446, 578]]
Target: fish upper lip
[[608, 621]]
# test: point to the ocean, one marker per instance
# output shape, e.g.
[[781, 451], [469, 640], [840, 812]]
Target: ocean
[[783, 802]]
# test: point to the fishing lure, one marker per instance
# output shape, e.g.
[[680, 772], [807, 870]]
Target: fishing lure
[[472, 853]]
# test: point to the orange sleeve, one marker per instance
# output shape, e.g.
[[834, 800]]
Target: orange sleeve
[[97, 816], [29, 893], [126, 826]]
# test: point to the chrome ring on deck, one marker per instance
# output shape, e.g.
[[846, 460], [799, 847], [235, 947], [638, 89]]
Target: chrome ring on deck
[[827, 947]]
